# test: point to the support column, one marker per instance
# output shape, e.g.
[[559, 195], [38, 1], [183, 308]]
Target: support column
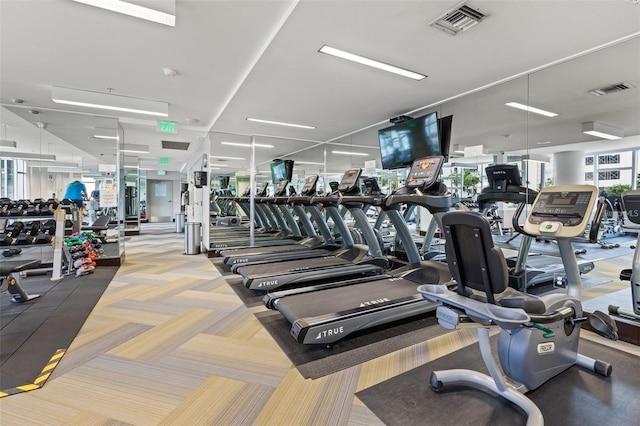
[[568, 168]]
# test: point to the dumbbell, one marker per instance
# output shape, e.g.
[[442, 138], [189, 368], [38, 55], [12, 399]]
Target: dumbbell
[[32, 227], [24, 239], [48, 227], [42, 238]]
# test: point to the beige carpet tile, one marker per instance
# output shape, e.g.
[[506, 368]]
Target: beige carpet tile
[[164, 337], [220, 401], [300, 401]]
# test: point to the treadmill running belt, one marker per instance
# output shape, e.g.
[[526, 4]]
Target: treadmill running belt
[[289, 266], [345, 298]]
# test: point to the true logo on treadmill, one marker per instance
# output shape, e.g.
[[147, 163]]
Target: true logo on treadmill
[[330, 332], [375, 302], [240, 260], [268, 283]]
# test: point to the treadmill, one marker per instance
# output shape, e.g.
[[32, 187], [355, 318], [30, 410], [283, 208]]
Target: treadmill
[[312, 246], [325, 314], [277, 234], [355, 260]]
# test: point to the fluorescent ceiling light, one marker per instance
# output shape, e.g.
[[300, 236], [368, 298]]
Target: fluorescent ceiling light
[[531, 109], [260, 145], [105, 137], [217, 166], [309, 162], [30, 156], [226, 158], [370, 62], [600, 130], [535, 158], [280, 123], [5, 143], [349, 153], [544, 142], [58, 165], [134, 10], [64, 95], [136, 149]]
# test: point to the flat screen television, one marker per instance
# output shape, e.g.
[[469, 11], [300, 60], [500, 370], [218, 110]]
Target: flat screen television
[[405, 142], [499, 176], [224, 181], [281, 170], [444, 134]]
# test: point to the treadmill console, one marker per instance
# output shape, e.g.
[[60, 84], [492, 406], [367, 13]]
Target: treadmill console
[[281, 190], [424, 172], [631, 204], [309, 186], [263, 191], [349, 182], [561, 211]]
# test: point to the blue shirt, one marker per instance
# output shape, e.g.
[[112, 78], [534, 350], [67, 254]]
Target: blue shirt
[[75, 191]]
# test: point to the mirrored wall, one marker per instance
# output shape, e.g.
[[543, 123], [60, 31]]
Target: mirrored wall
[[53, 150]]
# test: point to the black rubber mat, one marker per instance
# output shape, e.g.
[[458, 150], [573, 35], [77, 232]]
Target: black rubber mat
[[33, 332], [575, 397], [318, 361]]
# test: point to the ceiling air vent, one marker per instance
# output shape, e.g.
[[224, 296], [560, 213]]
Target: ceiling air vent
[[614, 88], [182, 146], [458, 19]]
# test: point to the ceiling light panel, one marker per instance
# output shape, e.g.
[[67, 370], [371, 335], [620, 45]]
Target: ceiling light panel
[[531, 109], [85, 98], [600, 130], [259, 145], [136, 149], [370, 62], [130, 9], [349, 153], [280, 123], [5, 143], [213, 157], [30, 156]]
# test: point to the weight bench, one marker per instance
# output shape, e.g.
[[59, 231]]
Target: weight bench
[[99, 228], [10, 279]]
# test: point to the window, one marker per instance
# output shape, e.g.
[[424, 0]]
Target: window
[[588, 161], [609, 159], [609, 175], [588, 176]]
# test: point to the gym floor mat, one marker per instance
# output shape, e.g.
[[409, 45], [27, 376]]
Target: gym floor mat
[[575, 397], [317, 361], [33, 332]]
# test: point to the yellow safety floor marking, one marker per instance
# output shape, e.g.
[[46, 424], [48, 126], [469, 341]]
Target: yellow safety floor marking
[[40, 380]]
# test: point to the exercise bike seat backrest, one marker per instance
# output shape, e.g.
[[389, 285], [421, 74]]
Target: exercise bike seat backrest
[[478, 266]]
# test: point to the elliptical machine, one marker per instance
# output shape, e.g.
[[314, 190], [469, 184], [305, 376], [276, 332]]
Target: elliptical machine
[[539, 336], [631, 205]]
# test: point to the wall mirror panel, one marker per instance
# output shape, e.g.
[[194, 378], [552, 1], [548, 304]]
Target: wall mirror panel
[[53, 149]]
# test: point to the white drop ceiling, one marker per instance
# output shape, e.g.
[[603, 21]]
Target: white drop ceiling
[[239, 59]]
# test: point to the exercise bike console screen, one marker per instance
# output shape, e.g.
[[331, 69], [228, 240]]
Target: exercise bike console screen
[[349, 181], [424, 172], [562, 211], [631, 203]]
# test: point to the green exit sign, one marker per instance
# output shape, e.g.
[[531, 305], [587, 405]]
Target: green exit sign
[[161, 172], [167, 126], [164, 160]]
